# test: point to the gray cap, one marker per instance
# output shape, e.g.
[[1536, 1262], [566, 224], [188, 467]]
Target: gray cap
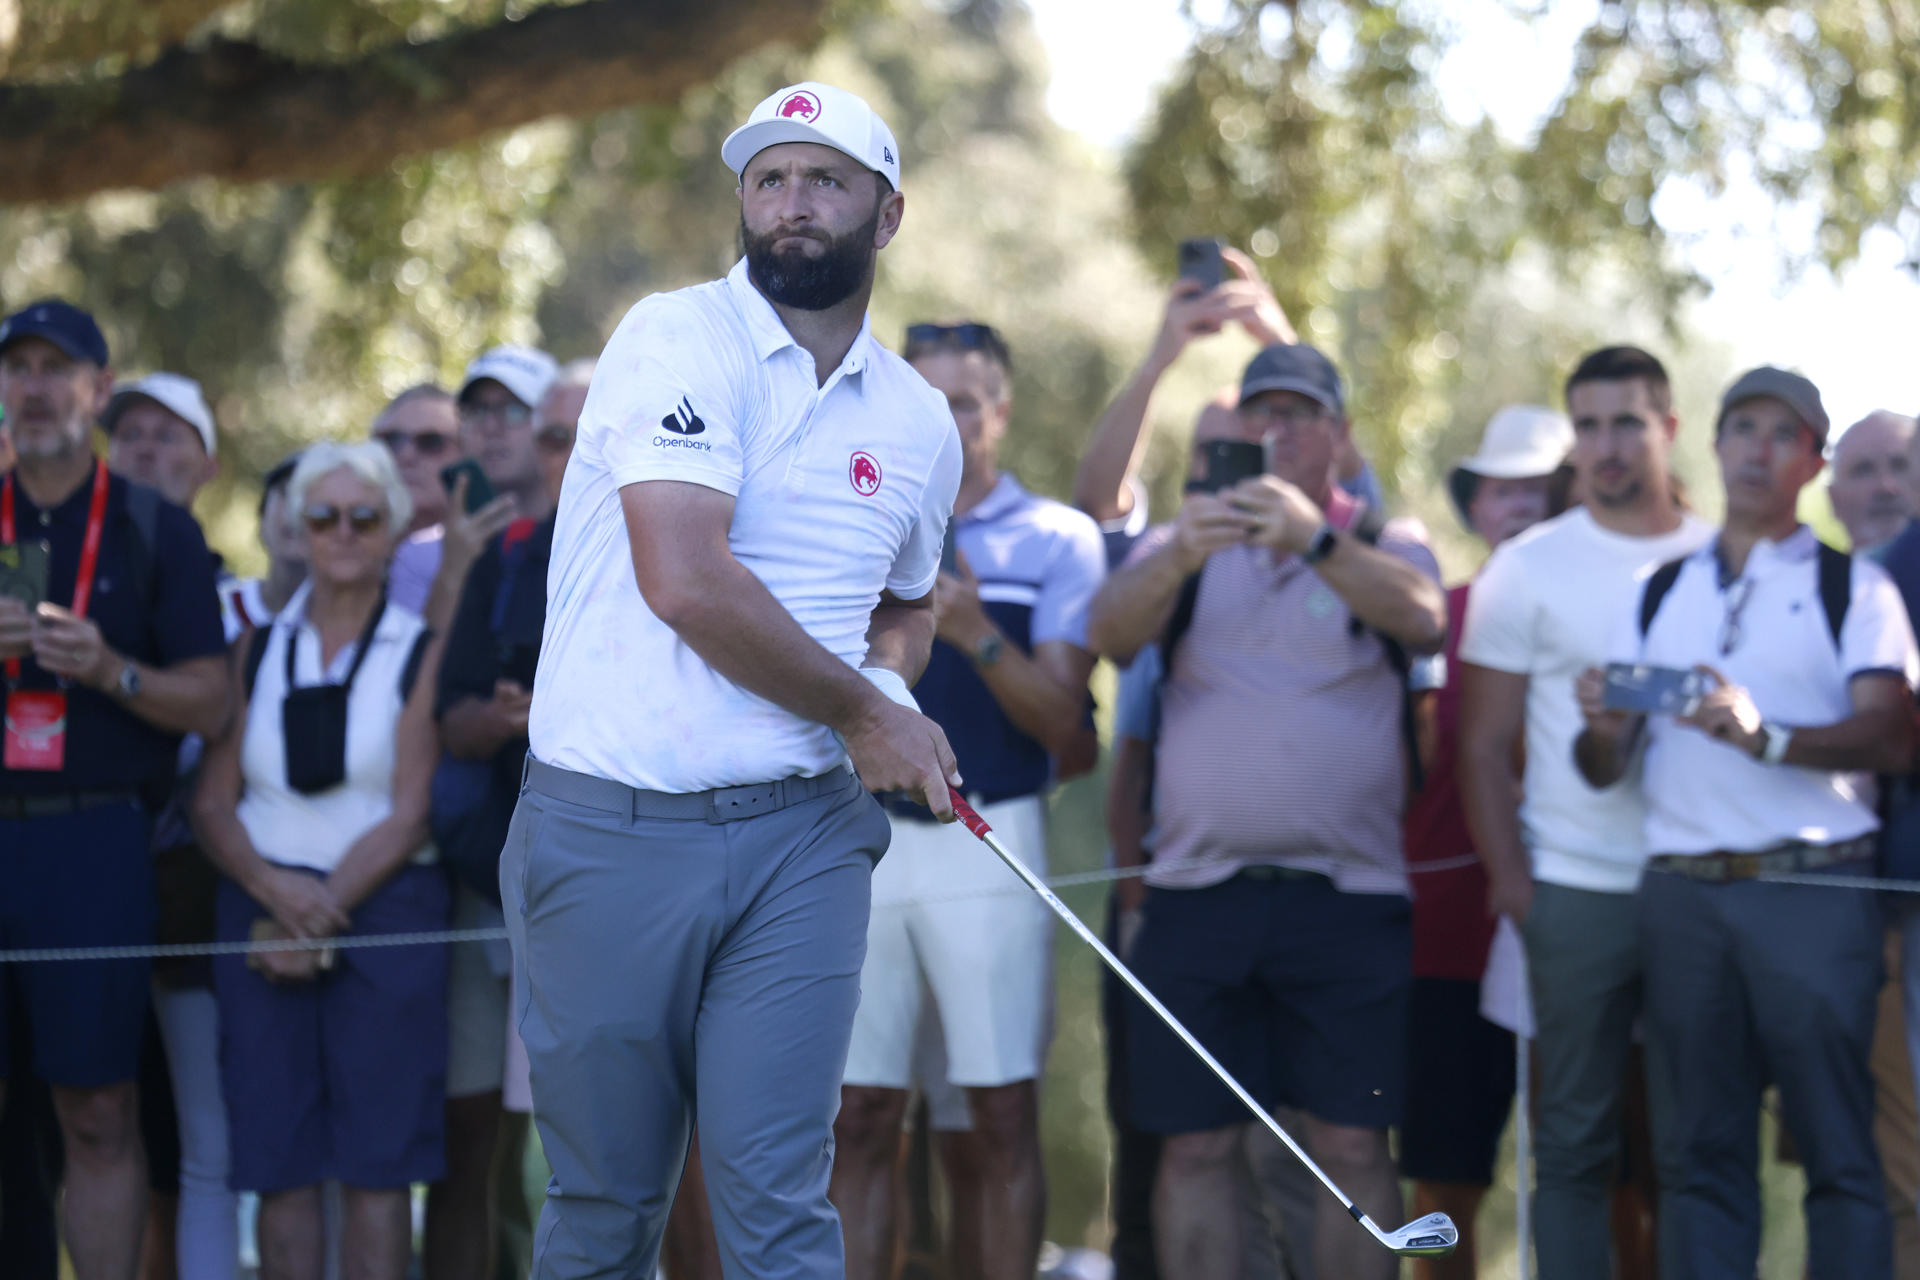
[[1797, 393], [1294, 367]]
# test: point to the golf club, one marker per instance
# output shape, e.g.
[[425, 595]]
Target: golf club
[[1429, 1237]]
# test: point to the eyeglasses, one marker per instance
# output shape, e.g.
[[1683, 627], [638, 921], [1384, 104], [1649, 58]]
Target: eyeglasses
[[555, 437], [322, 516], [429, 443], [508, 413], [1735, 599], [967, 336]]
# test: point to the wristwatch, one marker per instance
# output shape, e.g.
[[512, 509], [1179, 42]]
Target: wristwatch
[[1321, 544], [988, 651], [1774, 740], [128, 683]]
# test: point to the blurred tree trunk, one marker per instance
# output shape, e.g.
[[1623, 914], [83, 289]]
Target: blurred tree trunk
[[239, 112]]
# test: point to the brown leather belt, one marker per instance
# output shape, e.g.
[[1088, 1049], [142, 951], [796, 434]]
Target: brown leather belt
[[1723, 865]]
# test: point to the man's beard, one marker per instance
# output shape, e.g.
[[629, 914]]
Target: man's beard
[[811, 284]]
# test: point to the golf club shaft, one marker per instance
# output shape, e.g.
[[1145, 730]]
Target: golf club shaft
[[976, 824]]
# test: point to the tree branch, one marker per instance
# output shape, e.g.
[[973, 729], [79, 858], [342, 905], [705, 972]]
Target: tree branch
[[237, 112]]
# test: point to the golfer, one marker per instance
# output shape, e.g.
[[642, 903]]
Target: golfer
[[747, 540]]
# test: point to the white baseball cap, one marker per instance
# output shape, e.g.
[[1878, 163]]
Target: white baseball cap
[[1520, 440], [177, 394], [815, 112], [526, 372]]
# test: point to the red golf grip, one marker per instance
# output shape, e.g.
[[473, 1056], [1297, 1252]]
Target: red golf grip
[[968, 818]]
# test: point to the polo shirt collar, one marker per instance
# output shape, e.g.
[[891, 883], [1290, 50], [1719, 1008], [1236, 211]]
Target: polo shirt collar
[[1006, 494], [1768, 554], [770, 336]]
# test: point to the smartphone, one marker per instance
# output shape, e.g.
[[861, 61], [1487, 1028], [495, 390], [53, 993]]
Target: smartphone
[[1200, 260], [950, 552], [1222, 464], [1669, 691], [479, 488], [23, 572]]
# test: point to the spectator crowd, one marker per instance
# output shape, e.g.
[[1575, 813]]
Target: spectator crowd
[[1604, 809]]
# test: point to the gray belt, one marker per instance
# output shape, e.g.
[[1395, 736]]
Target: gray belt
[[722, 804], [1794, 856]]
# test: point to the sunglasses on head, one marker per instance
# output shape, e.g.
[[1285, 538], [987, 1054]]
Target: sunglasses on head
[[430, 443], [968, 335], [321, 516], [555, 437]]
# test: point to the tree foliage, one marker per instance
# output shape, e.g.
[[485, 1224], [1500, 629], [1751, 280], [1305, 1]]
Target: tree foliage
[[1312, 132]]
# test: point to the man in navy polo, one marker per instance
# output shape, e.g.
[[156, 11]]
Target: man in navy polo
[[110, 649], [1007, 682]]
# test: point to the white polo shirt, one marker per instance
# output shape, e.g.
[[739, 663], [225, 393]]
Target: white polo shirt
[[840, 491], [1704, 795]]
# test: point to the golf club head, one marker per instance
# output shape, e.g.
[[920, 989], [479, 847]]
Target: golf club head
[[1433, 1236]]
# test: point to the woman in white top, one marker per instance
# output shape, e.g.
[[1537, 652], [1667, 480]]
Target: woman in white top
[[314, 804]]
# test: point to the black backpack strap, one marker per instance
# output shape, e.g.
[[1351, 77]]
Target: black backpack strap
[[1371, 523], [1836, 589], [256, 651], [1178, 622], [1656, 590], [411, 671]]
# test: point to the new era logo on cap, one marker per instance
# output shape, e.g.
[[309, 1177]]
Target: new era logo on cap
[[817, 113]]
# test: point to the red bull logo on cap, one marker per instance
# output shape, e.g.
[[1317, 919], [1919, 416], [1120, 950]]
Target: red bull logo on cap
[[864, 471], [800, 105]]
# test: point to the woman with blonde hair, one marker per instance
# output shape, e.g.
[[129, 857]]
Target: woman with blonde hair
[[314, 805]]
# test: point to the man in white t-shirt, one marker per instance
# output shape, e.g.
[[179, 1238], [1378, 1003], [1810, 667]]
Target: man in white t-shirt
[[1563, 862], [1767, 773], [739, 594]]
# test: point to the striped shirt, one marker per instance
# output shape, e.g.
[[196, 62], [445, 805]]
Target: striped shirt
[[1280, 738]]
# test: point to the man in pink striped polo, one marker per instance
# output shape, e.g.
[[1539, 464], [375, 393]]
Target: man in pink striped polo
[[1277, 922]]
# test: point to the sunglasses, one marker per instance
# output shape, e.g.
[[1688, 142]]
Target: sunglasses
[[322, 516], [430, 443], [555, 437], [968, 336], [509, 413]]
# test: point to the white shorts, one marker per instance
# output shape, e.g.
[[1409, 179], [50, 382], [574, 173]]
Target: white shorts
[[947, 1109], [951, 923], [480, 1039]]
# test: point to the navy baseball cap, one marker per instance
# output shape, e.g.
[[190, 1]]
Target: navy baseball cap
[[61, 323], [1294, 367]]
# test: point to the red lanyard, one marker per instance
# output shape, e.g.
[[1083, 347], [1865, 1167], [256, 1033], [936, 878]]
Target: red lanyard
[[89, 545]]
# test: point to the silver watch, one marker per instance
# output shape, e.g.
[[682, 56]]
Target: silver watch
[[129, 681], [1775, 738]]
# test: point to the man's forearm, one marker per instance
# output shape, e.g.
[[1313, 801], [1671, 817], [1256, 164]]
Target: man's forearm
[[470, 731], [1387, 593], [1878, 740], [1490, 794], [1040, 706], [1119, 439], [1131, 609], [190, 697], [900, 638], [737, 627]]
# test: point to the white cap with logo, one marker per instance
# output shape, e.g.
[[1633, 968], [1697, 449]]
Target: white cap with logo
[[526, 372], [177, 394], [819, 113]]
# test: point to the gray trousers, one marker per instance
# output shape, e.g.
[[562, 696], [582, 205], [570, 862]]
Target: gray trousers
[[702, 966], [1750, 983], [1583, 965]]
